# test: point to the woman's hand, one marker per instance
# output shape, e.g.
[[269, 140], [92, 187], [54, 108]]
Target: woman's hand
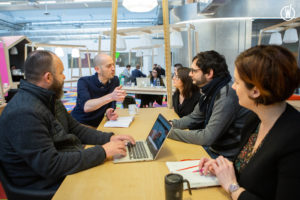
[[205, 166], [224, 170]]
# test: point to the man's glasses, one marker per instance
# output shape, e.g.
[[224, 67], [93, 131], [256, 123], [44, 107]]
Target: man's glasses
[[194, 70]]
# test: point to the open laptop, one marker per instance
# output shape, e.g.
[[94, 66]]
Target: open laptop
[[143, 82], [148, 150]]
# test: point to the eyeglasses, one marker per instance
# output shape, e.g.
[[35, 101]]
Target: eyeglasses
[[194, 70], [176, 77]]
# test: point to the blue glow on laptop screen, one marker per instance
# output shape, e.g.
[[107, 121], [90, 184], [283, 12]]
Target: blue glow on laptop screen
[[158, 134]]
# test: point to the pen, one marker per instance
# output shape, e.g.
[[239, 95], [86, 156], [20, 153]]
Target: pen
[[201, 170], [187, 168], [188, 159]]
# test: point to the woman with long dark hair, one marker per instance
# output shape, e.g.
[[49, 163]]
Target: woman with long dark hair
[[186, 95], [155, 80]]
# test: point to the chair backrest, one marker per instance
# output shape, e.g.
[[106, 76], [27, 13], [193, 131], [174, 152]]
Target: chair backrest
[[17, 193], [128, 100]]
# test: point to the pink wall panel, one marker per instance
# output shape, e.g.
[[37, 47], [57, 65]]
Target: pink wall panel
[[3, 66]]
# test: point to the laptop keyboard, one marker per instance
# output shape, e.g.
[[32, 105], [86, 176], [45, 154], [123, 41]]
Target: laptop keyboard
[[137, 151]]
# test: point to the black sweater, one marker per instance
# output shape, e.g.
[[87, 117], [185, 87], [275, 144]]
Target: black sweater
[[41, 143], [272, 173], [187, 105]]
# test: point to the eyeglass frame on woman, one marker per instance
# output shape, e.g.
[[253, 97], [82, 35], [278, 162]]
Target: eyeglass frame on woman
[[176, 77]]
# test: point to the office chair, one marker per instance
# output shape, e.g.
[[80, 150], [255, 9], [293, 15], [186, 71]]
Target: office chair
[[128, 100], [18, 193]]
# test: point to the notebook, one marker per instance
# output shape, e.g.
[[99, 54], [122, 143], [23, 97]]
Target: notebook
[[120, 122], [149, 149], [143, 82], [189, 171]]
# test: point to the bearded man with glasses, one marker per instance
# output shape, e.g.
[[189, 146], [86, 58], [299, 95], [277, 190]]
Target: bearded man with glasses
[[218, 118]]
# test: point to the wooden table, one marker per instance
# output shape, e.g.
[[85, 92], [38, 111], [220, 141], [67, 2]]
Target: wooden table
[[295, 103], [140, 180]]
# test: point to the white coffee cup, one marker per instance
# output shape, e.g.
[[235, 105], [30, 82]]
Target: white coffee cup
[[132, 109]]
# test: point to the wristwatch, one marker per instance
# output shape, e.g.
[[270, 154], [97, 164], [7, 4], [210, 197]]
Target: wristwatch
[[233, 187]]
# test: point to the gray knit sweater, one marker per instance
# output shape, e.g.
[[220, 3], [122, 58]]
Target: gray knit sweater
[[222, 132]]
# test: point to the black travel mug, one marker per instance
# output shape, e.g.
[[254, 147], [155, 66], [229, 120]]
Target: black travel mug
[[174, 186]]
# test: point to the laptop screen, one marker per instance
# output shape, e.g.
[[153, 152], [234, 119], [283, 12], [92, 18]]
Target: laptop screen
[[158, 134]]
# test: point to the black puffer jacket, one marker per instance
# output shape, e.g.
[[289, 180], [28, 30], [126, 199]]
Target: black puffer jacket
[[40, 143]]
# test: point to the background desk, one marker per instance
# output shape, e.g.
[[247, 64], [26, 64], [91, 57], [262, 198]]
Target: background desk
[[140, 180]]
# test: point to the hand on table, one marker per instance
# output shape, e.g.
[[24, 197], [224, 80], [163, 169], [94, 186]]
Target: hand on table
[[221, 167], [111, 114], [123, 138]]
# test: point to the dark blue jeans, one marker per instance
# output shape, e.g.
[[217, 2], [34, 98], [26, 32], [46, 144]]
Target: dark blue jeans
[[210, 152]]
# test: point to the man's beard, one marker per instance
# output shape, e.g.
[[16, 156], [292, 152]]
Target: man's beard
[[201, 82], [57, 88]]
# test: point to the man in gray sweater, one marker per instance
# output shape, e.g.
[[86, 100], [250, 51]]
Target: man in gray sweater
[[40, 142], [218, 118]]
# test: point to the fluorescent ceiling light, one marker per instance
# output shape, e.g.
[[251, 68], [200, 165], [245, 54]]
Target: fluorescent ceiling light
[[5, 3], [46, 2]]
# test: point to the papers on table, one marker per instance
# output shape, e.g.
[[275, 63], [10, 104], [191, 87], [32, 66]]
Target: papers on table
[[196, 180], [120, 122]]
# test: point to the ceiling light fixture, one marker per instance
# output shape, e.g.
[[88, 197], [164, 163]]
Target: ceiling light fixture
[[14, 51], [121, 43], [5, 3], [140, 5], [176, 40], [139, 53], [59, 52], [275, 39], [75, 53], [46, 2], [290, 36]]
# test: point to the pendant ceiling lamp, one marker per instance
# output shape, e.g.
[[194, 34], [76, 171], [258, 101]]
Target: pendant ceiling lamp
[[14, 51], [139, 53], [145, 41], [59, 52], [140, 5], [176, 40], [75, 53], [121, 44], [290, 36], [275, 39]]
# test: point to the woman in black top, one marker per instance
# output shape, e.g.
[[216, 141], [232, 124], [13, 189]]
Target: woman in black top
[[155, 80], [267, 166], [186, 95]]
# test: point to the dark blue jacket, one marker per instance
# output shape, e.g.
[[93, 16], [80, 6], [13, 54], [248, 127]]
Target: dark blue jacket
[[41, 143], [137, 73], [90, 87]]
